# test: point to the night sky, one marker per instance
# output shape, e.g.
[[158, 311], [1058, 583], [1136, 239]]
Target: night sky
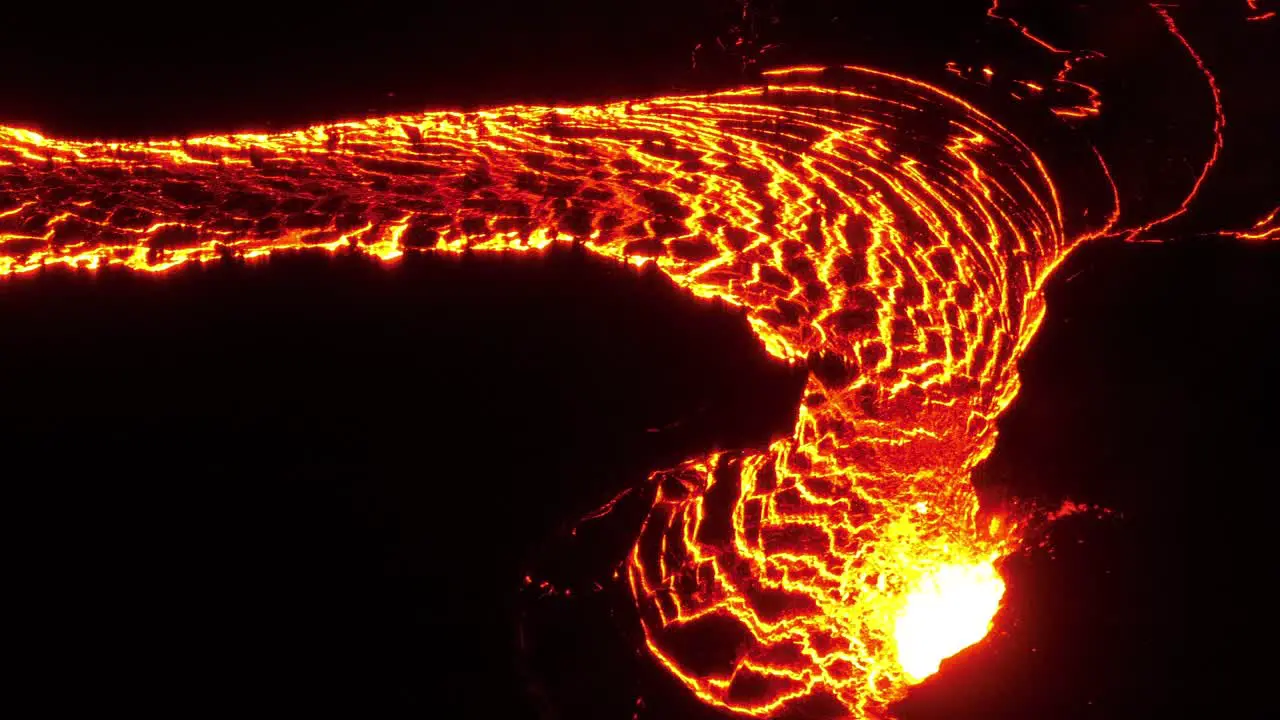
[[315, 485]]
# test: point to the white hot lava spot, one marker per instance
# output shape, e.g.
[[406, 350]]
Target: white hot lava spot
[[945, 612]]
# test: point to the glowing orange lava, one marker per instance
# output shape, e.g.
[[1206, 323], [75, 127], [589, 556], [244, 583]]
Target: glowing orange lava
[[885, 232], [1266, 228], [884, 225], [1258, 14]]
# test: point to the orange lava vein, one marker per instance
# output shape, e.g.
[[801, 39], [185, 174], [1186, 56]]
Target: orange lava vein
[[883, 231], [1139, 232], [1266, 228], [1257, 14], [1092, 106], [1219, 124]]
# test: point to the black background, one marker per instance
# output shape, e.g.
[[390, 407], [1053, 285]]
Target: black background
[[316, 485]]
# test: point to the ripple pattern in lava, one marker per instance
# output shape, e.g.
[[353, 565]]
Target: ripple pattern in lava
[[888, 234]]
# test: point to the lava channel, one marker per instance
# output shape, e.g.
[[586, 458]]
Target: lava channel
[[884, 232]]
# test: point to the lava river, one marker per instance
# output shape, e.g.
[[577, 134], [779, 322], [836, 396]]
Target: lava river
[[888, 235]]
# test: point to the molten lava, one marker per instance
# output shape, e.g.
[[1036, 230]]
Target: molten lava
[[945, 613], [883, 231]]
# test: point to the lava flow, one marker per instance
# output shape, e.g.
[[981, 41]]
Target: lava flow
[[883, 231]]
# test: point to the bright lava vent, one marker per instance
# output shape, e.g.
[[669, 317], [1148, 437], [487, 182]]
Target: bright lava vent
[[946, 612]]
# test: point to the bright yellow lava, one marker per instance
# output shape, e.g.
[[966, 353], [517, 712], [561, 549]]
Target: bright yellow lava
[[946, 612]]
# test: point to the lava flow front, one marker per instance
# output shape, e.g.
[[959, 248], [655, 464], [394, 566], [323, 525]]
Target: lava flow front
[[884, 232]]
